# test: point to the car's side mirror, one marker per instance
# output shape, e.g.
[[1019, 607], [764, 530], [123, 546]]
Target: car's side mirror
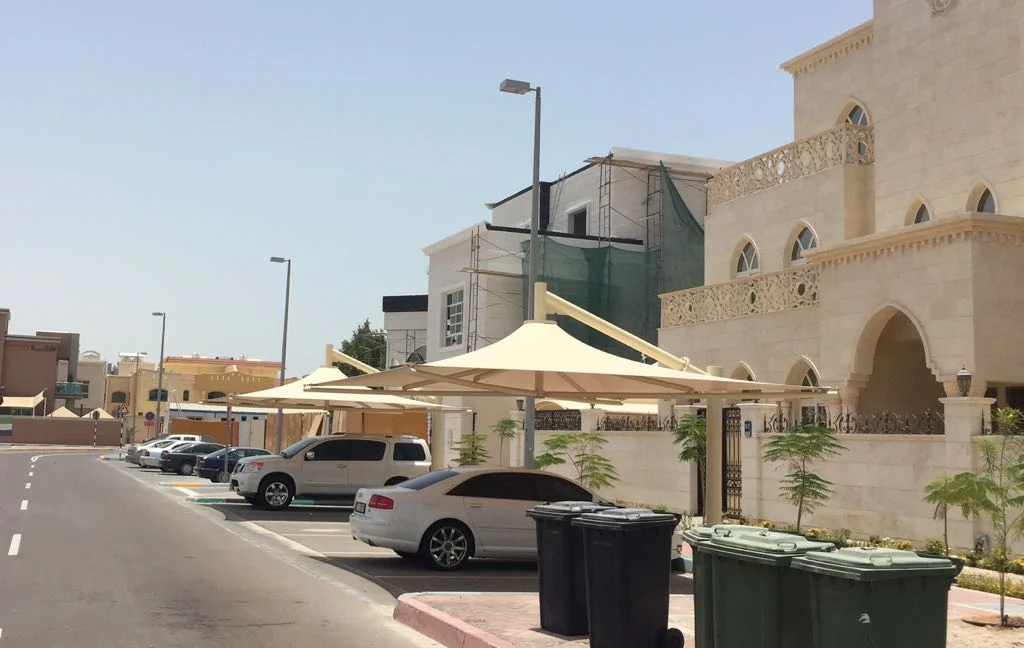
[[311, 455]]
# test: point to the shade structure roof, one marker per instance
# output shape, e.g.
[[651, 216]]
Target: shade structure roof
[[296, 394], [540, 359], [63, 412], [23, 402]]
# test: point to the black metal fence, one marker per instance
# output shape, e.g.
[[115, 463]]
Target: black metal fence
[[636, 423], [927, 422], [558, 420]]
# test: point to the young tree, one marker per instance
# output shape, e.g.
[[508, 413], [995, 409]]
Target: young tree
[[580, 449], [997, 490], [950, 491], [367, 345], [692, 434], [506, 429], [802, 446], [472, 449]]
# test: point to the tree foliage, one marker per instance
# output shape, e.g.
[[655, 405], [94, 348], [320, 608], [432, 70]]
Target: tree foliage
[[367, 345], [799, 448], [472, 450], [947, 492], [996, 491], [506, 429], [580, 450], [692, 434]]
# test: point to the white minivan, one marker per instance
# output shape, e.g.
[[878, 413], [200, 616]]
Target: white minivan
[[329, 467]]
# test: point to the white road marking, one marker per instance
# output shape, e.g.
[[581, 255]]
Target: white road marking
[[24, 505], [190, 493], [15, 545], [370, 554], [28, 485], [30, 473]]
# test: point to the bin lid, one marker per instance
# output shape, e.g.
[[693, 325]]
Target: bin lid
[[562, 510], [705, 533], [625, 517], [873, 563], [766, 547]]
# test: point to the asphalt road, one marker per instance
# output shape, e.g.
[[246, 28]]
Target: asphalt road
[[105, 560]]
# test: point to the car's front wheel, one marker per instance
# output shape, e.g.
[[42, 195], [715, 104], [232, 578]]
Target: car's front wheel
[[185, 469], [447, 545], [275, 493]]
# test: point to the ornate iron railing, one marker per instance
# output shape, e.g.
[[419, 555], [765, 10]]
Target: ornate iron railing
[[558, 420], [768, 293], [928, 422], [636, 423], [846, 144]]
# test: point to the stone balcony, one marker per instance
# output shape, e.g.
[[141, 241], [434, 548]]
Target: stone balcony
[[846, 144], [773, 292]]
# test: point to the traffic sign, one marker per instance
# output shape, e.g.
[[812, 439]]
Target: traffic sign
[[122, 411], [149, 417], [149, 422]]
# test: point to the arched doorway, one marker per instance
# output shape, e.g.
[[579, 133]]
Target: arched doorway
[[892, 353]]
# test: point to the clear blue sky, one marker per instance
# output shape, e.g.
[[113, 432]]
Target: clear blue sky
[[154, 155]]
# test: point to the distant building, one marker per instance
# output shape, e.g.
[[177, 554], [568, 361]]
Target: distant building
[[405, 321], [39, 373]]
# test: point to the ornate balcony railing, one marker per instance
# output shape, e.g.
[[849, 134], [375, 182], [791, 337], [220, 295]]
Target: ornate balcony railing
[[69, 389], [846, 144], [558, 420], [768, 293]]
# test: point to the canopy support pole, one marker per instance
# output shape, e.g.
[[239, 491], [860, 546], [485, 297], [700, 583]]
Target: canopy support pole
[[713, 464]]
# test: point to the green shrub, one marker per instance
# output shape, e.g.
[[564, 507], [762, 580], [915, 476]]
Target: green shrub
[[990, 584], [935, 545]]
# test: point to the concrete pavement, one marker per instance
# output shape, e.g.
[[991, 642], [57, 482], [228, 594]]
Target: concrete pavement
[[98, 558]]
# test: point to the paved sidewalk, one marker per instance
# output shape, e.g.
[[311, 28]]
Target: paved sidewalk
[[496, 620]]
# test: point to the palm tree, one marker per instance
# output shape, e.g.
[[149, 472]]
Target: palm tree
[[950, 491], [692, 434]]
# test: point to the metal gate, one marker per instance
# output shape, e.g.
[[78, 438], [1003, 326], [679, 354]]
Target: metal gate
[[732, 464]]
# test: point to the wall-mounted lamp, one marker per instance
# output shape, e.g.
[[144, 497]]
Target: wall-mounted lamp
[[519, 404], [963, 381]]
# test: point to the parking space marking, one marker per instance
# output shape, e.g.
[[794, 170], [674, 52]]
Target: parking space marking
[[188, 493], [15, 545], [24, 505]]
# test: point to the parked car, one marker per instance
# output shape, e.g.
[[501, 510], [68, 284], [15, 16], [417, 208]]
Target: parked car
[[448, 516], [329, 467], [132, 451], [134, 455], [183, 460], [212, 465], [150, 457]]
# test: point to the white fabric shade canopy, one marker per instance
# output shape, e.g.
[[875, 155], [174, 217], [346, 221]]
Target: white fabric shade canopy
[[540, 359], [62, 412], [22, 402], [296, 394]]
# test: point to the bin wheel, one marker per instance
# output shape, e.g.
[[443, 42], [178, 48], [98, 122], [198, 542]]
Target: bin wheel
[[673, 638]]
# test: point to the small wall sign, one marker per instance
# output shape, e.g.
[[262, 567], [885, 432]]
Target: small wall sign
[[748, 428]]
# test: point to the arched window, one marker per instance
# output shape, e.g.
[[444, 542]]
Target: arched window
[[215, 395], [119, 397], [805, 240], [158, 394], [858, 117], [986, 203], [747, 261], [922, 215], [810, 379], [185, 395]]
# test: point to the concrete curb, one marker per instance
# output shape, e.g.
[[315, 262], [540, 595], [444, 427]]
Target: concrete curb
[[239, 500], [442, 627]]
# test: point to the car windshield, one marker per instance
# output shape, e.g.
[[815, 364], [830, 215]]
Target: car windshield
[[431, 478], [296, 448]]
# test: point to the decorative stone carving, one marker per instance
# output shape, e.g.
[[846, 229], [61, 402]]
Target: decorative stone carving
[[941, 7], [846, 144], [769, 293]]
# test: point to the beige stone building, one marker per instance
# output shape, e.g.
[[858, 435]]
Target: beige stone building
[[876, 253]]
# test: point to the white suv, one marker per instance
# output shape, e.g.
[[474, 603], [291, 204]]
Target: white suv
[[330, 467]]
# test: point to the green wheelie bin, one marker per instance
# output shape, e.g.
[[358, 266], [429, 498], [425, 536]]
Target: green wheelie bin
[[703, 601], [883, 598], [759, 601]]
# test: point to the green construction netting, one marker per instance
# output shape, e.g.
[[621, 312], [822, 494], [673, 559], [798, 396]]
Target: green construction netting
[[620, 285]]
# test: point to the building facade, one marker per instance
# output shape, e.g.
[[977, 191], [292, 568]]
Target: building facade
[[875, 253], [39, 373], [405, 323]]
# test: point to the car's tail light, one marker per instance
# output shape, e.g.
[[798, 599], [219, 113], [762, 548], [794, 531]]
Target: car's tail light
[[202, 462], [165, 455], [382, 502]]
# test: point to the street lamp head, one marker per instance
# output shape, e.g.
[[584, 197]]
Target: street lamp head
[[515, 87], [963, 381], [278, 260], [159, 314]]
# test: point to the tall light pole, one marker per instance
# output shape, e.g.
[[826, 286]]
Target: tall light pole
[[284, 346], [160, 375], [529, 406]]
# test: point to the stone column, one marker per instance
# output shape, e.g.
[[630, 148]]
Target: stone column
[[754, 416], [514, 446], [589, 419], [713, 493], [965, 418]]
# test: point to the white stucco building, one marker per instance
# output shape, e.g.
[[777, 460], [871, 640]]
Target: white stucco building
[[475, 276], [876, 253], [405, 324]]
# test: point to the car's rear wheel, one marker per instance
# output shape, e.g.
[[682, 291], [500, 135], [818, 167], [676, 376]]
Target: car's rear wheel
[[223, 477], [447, 545], [275, 492], [185, 468]]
